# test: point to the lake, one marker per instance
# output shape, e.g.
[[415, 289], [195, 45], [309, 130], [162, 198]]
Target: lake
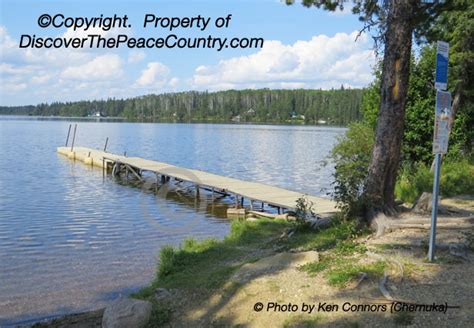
[[72, 240]]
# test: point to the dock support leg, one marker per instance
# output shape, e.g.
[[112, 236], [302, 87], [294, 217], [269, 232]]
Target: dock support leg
[[197, 190], [279, 210], [68, 132], [136, 173], [251, 204], [106, 142], [242, 201], [73, 137]]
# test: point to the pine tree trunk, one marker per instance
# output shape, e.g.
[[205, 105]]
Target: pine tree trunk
[[385, 161]]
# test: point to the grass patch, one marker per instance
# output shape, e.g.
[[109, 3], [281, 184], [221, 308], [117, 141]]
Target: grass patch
[[341, 265], [456, 179], [340, 275], [307, 239], [316, 267], [208, 264], [349, 248]]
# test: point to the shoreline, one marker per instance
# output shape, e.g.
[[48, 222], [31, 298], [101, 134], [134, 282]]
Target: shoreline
[[119, 119]]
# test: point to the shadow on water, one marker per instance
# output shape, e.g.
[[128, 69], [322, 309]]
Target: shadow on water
[[182, 194]]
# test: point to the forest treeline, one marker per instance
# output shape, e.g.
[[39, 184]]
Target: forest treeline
[[335, 106]]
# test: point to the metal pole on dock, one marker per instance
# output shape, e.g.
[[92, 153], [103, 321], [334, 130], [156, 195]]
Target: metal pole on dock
[[73, 137], [106, 142], [68, 132]]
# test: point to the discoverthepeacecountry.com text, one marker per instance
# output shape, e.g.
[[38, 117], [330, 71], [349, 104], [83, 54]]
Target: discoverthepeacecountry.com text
[[171, 33]]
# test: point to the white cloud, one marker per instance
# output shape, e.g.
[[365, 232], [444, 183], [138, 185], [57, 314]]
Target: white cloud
[[39, 79], [322, 62], [102, 67], [29, 76], [155, 73], [136, 56], [13, 87], [173, 83]]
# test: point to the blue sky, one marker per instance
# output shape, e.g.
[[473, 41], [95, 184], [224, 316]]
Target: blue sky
[[304, 48]]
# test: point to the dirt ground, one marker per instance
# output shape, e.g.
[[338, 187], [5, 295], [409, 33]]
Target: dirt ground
[[411, 279]]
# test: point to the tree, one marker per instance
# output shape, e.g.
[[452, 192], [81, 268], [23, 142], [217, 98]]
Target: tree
[[395, 22]]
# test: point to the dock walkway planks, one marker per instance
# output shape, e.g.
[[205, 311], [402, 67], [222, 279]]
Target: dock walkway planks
[[253, 191]]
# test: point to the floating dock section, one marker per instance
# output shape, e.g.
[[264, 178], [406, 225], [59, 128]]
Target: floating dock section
[[279, 198]]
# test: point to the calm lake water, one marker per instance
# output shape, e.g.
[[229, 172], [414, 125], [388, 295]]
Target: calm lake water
[[72, 240]]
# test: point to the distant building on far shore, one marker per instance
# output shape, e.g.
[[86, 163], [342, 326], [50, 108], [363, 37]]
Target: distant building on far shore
[[97, 114]]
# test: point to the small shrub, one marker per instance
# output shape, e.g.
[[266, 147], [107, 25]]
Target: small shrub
[[412, 182], [166, 265], [457, 178], [351, 156], [304, 209]]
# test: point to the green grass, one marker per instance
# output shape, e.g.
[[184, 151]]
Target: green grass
[[349, 248], [324, 239], [340, 275], [208, 264], [341, 264], [456, 179]]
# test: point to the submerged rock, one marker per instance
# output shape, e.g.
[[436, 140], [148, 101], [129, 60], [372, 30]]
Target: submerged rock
[[126, 313]]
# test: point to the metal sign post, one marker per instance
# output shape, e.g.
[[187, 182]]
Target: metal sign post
[[441, 132], [440, 146]]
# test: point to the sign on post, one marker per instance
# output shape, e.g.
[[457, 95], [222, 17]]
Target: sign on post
[[441, 81], [441, 132], [442, 122]]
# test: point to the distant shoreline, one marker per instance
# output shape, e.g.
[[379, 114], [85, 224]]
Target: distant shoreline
[[118, 119]]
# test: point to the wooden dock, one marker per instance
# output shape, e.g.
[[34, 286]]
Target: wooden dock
[[251, 191]]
